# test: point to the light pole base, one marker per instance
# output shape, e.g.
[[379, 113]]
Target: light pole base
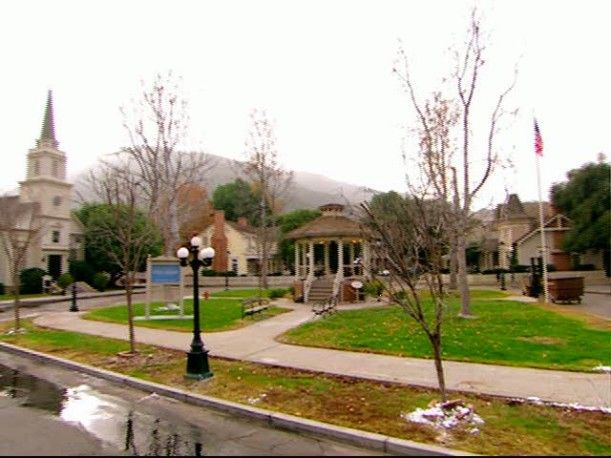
[[205, 376], [197, 366]]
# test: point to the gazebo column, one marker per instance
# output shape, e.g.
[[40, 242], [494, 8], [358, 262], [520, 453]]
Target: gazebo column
[[366, 257], [296, 261], [340, 258], [311, 263], [326, 250], [352, 267]]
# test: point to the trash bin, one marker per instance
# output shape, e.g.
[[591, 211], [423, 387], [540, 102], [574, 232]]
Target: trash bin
[[566, 289]]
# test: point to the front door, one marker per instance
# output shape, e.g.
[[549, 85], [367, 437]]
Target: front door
[[54, 265]]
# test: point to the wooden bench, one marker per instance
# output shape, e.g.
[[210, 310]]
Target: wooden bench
[[326, 307], [252, 305]]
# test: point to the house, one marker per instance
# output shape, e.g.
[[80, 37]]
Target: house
[[516, 226], [513, 220], [236, 246], [46, 189]]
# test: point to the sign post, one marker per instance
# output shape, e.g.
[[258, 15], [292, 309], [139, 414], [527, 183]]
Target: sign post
[[165, 271]]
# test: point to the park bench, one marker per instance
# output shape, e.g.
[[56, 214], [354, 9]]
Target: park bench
[[325, 307], [252, 305]]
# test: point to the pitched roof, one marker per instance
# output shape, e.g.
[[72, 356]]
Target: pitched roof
[[556, 222], [328, 226]]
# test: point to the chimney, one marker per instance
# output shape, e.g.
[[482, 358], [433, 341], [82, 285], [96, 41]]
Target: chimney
[[219, 242], [219, 220], [242, 221]]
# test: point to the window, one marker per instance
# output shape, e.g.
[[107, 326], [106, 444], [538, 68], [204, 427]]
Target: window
[[54, 169], [55, 236], [57, 201], [36, 167]]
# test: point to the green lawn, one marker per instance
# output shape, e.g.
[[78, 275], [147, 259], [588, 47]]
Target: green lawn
[[504, 332], [509, 428], [250, 292], [215, 315]]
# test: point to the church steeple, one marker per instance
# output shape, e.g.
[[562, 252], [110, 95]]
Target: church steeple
[[47, 134]]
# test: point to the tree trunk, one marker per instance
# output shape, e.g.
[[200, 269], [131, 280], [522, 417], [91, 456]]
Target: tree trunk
[[130, 314], [463, 281], [264, 256], [436, 344], [453, 265], [16, 301]]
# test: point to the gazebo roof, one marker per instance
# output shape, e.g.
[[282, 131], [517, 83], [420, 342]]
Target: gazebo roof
[[332, 223]]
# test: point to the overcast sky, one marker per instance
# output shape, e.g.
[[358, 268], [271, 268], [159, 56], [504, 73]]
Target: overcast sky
[[321, 69]]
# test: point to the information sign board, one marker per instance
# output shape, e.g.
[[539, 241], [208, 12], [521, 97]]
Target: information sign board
[[163, 274]]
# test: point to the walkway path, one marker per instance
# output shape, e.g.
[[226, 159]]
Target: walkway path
[[256, 343]]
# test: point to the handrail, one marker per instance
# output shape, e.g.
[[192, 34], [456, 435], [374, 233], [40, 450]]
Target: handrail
[[307, 285]]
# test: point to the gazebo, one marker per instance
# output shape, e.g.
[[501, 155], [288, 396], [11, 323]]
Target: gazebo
[[330, 253]]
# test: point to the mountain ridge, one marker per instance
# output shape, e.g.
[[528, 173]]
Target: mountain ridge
[[308, 191]]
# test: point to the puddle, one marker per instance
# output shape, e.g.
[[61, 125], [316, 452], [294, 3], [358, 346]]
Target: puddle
[[119, 423]]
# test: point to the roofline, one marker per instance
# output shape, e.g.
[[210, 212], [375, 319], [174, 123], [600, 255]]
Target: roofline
[[545, 229]]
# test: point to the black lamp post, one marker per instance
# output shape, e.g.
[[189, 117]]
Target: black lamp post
[[227, 272], [502, 268], [73, 306], [197, 359]]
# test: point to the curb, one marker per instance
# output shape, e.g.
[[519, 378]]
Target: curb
[[6, 305], [379, 442]]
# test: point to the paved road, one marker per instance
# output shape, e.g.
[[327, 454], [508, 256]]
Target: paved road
[[101, 418]]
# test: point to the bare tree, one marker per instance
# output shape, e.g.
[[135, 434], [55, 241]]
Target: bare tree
[[195, 210], [157, 128], [410, 238], [20, 229], [468, 183], [120, 228], [269, 181]]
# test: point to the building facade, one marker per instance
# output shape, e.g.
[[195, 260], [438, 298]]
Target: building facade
[[236, 246], [46, 186]]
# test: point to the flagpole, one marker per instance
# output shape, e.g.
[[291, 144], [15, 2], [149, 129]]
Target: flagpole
[[543, 244]]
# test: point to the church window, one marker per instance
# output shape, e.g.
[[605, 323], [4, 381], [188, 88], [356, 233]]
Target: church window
[[36, 167], [55, 236], [55, 168], [57, 201]]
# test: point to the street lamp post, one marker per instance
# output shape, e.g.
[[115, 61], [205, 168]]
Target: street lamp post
[[197, 358], [227, 272], [502, 267], [73, 306]]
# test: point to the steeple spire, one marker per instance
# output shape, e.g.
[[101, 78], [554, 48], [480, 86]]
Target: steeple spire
[[47, 133]]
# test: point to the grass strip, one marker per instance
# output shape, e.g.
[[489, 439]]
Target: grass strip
[[216, 315], [504, 332], [509, 429]]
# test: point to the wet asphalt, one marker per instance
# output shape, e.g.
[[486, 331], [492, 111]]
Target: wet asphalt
[[50, 411]]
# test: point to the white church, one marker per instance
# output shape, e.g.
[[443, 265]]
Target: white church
[[45, 185]]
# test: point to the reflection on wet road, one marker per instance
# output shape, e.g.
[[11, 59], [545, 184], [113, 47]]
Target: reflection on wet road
[[124, 419]]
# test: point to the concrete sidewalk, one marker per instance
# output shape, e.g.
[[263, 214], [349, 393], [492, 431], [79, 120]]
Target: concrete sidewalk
[[256, 343]]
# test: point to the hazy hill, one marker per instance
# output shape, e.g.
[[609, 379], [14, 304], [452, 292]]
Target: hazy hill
[[309, 190]]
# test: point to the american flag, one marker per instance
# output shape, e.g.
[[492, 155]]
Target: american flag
[[538, 140]]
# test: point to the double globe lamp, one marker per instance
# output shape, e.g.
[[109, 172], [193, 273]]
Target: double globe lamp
[[197, 358]]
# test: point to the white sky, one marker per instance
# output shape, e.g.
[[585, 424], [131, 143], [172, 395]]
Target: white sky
[[321, 69]]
